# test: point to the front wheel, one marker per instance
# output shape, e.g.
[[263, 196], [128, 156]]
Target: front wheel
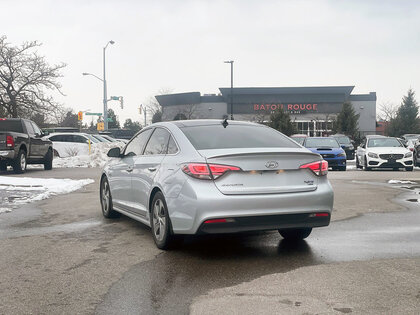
[[409, 169], [48, 161], [367, 168], [19, 165], [342, 168], [160, 222], [295, 234], [106, 200]]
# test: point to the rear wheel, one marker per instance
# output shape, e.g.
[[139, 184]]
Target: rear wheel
[[48, 162], [106, 200], [3, 166], [19, 165], [295, 234], [160, 222]]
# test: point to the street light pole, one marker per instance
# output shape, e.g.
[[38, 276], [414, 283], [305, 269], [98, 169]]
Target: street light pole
[[231, 88], [105, 90]]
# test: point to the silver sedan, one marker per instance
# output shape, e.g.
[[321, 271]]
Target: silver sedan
[[214, 176]]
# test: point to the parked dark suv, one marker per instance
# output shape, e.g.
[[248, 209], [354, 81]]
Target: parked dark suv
[[21, 143], [347, 144]]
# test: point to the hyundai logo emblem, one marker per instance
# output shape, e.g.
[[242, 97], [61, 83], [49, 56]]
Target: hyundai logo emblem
[[271, 164]]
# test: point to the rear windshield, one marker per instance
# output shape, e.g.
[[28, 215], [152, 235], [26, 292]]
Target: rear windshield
[[11, 125], [299, 140], [343, 140], [236, 136], [321, 143]]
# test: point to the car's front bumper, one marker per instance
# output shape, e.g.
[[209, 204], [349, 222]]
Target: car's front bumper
[[381, 163], [336, 162], [200, 200]]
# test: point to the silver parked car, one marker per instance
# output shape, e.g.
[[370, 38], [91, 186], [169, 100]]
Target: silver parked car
[[212, 176]]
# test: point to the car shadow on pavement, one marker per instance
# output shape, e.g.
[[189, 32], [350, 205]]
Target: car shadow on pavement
[[170, 282]]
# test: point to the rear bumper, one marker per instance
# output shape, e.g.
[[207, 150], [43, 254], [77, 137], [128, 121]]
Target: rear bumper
[[7, 154], [261, 223], [200, 200]]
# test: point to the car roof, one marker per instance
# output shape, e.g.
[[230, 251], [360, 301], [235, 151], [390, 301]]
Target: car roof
[[66, 133], [209, 122]]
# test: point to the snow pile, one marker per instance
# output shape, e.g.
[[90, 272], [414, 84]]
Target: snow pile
[[396, 181], [97, 157], [20, 190]]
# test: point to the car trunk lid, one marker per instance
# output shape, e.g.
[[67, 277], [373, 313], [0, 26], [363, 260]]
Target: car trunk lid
[[264, 170]]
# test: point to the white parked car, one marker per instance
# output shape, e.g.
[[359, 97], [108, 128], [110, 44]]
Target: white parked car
[[71, 144], [383, 152]]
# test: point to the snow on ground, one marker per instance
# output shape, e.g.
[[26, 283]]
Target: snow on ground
[[97, 158], [16, 191], [396, 181]]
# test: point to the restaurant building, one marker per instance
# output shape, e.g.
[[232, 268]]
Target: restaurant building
[[312, 109]]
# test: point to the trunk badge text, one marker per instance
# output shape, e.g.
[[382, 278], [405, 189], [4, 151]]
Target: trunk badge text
[[271, 164]]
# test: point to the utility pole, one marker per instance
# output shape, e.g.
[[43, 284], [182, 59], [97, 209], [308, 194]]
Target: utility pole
[[231, 88], [105, 91]]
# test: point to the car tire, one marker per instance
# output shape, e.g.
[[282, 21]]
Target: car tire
[[357, 163], [295, 234], [161, 223], [367, 168], [106, 200], [409, 169], [19, 165], [48, 161], [3, 166], [342, 168]]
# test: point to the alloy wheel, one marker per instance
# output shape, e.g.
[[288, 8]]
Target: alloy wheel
[[159, 220], [105, 197]]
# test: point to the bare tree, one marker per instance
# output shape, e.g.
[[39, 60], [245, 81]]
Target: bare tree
[[387, 110], [24, 78], [189, 110], [153, 107]]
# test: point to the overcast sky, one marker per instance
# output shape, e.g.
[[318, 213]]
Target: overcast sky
[[181, 45]]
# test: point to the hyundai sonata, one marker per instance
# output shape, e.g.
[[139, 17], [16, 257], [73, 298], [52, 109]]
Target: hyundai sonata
[[212, 176]]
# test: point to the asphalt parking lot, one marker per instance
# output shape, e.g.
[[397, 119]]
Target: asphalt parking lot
[[62, 256]]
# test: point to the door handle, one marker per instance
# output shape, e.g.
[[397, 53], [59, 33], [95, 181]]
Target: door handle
[[152, 169]]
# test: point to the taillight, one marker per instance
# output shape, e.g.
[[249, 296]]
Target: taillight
[[10, 142], [320, 168], [207, 171]]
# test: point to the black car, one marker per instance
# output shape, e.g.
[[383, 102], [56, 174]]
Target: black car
[[21, 143], [347, 144]]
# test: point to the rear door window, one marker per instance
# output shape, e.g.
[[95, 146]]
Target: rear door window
[[158, 143], [236, 136], [29, 128]]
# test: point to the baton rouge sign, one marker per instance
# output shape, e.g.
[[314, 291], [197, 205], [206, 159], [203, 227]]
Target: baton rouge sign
[[293, 108]]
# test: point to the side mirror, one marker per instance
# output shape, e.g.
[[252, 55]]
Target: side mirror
[[114, 152]]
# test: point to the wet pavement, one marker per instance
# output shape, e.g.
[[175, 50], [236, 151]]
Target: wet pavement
[[169, 283]]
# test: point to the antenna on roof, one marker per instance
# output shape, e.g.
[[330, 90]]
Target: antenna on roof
[[225, 123]]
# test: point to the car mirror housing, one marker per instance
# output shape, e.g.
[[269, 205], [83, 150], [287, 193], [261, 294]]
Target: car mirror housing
[[114, 152]]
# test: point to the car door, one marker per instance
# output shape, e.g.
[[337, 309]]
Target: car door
[[120, 171], [145, 168], [32, 150], [40, 145]]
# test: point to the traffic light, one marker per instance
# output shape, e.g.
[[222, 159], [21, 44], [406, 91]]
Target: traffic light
[[80, 116]]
